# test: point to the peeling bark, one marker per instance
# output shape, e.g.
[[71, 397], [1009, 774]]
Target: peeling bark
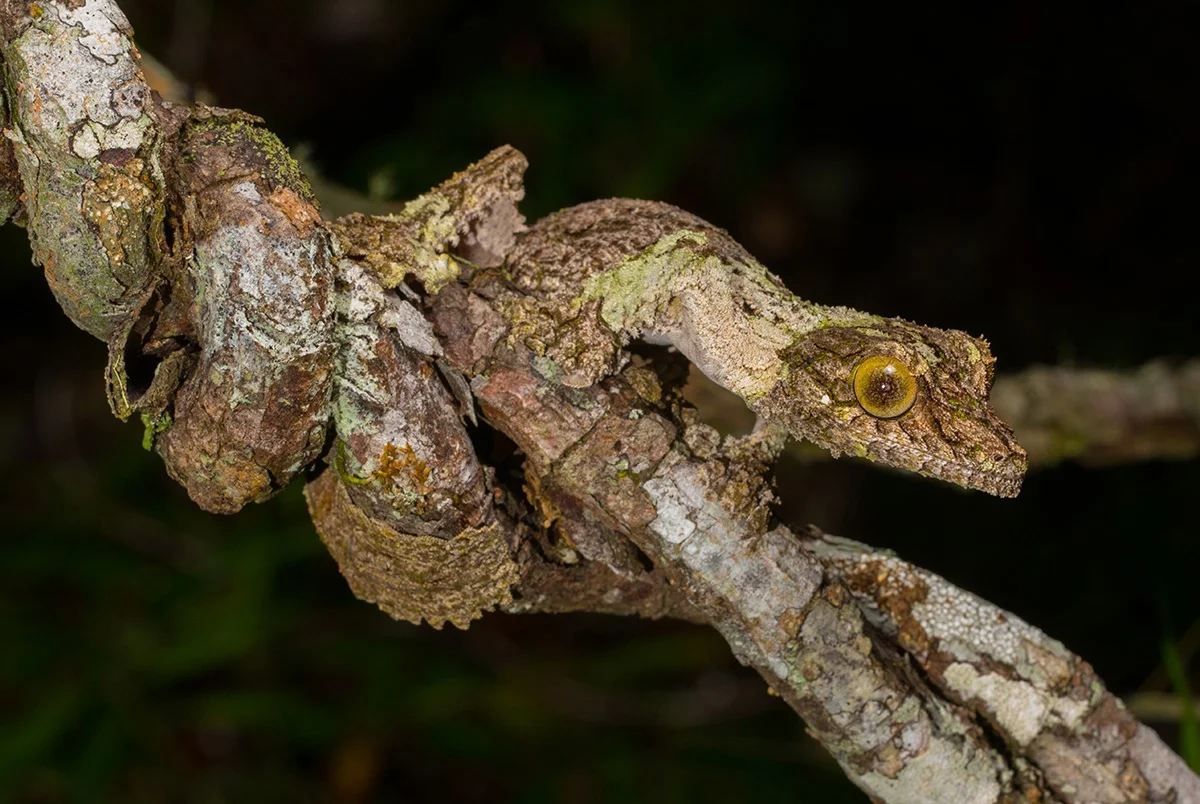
[[392, 359]]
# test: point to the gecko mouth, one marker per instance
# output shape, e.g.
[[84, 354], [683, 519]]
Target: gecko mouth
[[1001, 474], [991, 462]]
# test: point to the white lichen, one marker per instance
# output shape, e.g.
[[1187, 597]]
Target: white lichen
[[1019, 707], [759, 581]]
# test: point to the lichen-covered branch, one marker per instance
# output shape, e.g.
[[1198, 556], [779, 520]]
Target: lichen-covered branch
[[459, 391], [86, 143], [1045, 702]]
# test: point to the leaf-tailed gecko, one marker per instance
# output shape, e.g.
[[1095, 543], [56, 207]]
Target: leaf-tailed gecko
[[596, 276]]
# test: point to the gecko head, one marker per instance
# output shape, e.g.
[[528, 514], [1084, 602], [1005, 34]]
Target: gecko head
[[907, 396]]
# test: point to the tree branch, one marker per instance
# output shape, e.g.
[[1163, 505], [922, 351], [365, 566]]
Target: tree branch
[[476, 435], [1102, 417]]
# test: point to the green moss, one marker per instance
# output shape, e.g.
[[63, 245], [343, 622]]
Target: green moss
[[153, 426], [281, 169], [339, 466], [623, 471], [547, 368]]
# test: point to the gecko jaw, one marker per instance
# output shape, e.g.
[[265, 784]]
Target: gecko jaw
[[1002, 479]]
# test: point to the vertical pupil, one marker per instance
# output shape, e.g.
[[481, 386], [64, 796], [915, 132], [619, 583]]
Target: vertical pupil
[[885, 383], [884, 386]]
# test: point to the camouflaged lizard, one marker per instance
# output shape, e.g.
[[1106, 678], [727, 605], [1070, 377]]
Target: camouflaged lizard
[[597, 276]]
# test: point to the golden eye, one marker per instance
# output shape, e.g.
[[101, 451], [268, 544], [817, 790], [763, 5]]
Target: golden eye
[[884, 387]]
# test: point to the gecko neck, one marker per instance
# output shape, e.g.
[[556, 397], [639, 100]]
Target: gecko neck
[[731, 317]]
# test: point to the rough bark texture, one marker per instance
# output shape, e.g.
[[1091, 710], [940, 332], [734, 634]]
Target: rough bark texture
[[477, 435], [87, 147], [253, 410]]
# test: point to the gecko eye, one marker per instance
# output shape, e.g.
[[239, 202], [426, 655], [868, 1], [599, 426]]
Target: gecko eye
[[884, 386]]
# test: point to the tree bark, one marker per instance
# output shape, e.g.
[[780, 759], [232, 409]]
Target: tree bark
[[391, 361]]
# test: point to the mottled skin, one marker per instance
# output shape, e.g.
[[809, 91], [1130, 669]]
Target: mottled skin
[[951, 432], [474, 212], [624, 269]]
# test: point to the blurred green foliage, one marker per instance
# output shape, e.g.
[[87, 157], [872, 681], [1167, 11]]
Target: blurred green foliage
[[154, 653], [1013, 170], [1189, 729]]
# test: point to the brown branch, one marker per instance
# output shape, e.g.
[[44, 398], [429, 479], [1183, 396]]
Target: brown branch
[[477, 437], [1047, 704], [1099, 417]]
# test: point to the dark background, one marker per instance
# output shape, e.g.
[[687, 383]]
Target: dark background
[[1026, 173]]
